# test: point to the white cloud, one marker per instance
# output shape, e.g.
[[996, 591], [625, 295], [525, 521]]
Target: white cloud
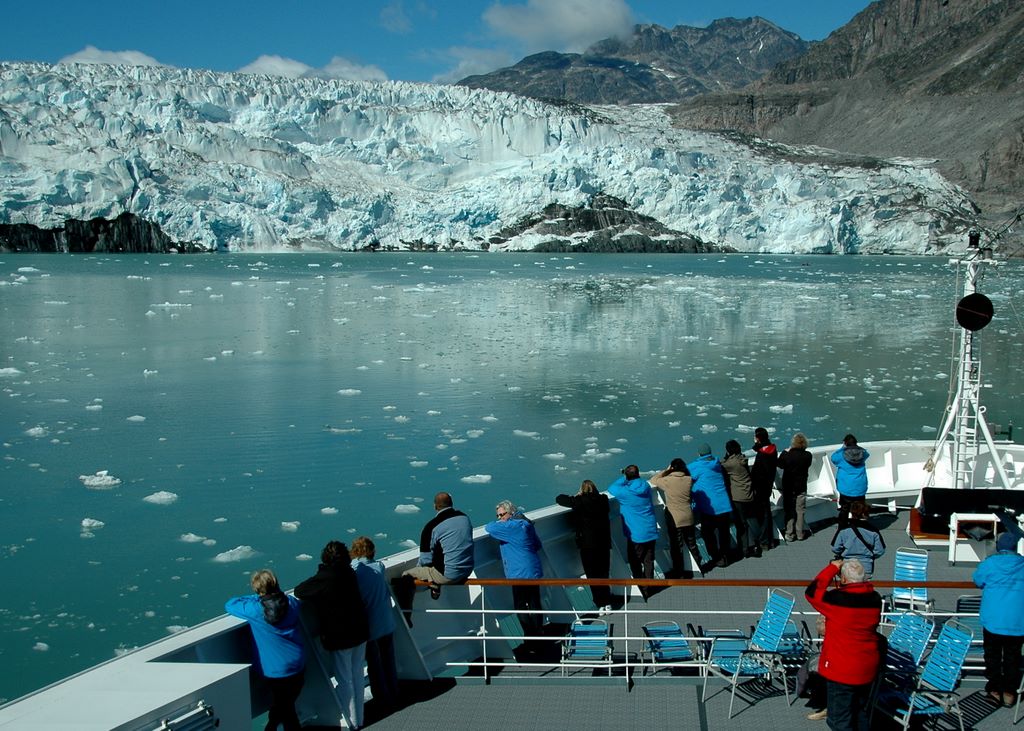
[[560, 25], [472, 61], [394, 18], [336, 68], [91, 54]]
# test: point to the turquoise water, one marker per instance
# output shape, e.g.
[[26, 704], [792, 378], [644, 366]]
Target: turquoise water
[[267, 404]]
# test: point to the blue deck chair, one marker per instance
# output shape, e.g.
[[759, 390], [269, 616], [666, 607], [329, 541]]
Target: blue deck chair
[[736, 658], [907, 643], [935, 691], [587, 644], [911, 565], [667, 646], [970, 606]]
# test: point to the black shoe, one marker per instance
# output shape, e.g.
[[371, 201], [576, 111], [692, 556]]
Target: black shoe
[[435, 592]]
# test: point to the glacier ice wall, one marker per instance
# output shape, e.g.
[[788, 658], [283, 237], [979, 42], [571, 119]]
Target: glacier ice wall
[[248, 161]]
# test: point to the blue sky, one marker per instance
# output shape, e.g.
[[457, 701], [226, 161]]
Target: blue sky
[[412, 40]]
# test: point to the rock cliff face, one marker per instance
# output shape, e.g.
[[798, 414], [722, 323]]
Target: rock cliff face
[[127, 234], [654, 65], [938, 79]]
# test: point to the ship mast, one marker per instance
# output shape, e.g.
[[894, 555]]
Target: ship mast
[[965, 416]]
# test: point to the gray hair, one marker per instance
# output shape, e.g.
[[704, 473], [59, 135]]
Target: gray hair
[[508, 506], [852, 571]]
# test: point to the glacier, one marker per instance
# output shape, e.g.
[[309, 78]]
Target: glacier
[[254, 162]]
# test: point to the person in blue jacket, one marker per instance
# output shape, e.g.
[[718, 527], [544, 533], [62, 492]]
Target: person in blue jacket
[[1001, 580], [520, 557], [638, 522], [280, 652], [712, 504], [850, 461]]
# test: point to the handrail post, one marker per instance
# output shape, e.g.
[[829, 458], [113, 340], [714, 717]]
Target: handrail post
[[625, 628], [483, 632]]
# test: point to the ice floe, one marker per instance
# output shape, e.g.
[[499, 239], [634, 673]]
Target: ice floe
[[349, 392], [408, 543], [476, 479], [238, 553], [163, 497], [290, 526], [41, 647], [102, 480], [329, 511], [136, 419], [406, 509], [36, 431], [191, 538], [9, 373]]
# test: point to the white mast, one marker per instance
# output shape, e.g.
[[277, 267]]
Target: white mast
[[965, 416]]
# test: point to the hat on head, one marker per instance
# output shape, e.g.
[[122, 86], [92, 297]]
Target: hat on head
[[703, 450], [1007, 542]]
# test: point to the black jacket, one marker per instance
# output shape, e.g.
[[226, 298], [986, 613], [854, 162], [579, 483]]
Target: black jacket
[[762, 472], [590, 519], [795, 464], [334, 595]]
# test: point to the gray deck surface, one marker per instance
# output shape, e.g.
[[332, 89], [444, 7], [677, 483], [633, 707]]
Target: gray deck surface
[[549, 702]]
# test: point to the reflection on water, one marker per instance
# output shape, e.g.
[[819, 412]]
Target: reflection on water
[[250, 409]]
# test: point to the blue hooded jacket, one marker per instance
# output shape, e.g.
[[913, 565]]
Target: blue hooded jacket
[[280, 651], [1001, 580], [710, 495], [373, 587], [636, 507], [519, 546], [851, 470]]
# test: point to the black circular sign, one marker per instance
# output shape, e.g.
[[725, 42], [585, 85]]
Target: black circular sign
[[974, 312]]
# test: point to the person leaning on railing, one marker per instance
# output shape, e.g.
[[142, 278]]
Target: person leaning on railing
[[520, 557], [593, 536]]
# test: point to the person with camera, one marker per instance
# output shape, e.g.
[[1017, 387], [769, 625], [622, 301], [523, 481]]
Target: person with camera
[[638, 522]]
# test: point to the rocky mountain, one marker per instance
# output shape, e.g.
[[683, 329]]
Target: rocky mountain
[[235, 161], [654, 64], [935, 79]]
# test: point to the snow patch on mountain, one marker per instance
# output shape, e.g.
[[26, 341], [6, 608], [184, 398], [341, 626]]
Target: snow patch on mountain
[[257, 162]]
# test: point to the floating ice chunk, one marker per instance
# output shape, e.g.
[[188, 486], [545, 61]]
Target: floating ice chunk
[[340, 430], [405, 509], [92, 524], [408, 543], [476, 479], [559, 425], [433, 413], [173, 629], [209, 542], [418, 463], [102, 480], [55, 302], [290, 526], [629, 419], [787, 409], [475, 433], [303, 557], [349, 392], [490, 418], [522, 433], [161, 498], [36, 431], [28, 270], [238, 553], [9, 373], [708, 428], [147, 372], [136, 419], [150, 313], [928, 429], [555, 455], [40, 647], [94, 407], [329, 511], [191, 538], [674, 424], [402, 419]]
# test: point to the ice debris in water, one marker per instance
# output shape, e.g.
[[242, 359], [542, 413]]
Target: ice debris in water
[[408, 543], [418, 463], [555, 455], [787, 409], [102, 480], [9, 373], [349, 392], [329, 511], [136, 419], [303, 557], [406, 509], [161, 498], [36, 431], [290, 526], [476, 479], [91, 524], [40, 647], [238, 553], [191, 538]]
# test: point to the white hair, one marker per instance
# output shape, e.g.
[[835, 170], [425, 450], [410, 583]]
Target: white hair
[[506, 505], [852, 571]]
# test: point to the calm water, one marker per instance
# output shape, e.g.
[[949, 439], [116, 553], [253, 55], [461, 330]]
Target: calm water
[[249, 409]]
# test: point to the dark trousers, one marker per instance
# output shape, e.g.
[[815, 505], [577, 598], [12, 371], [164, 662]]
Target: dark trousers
[[844, 509], [1002, 661], [283, 694], [751, 515], [528, 597], [641, 562], [714, 529], [767, 536], [848, 706], [597, 565], [679, 537], [380, 666]]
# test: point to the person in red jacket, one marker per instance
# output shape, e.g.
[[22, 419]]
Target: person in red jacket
[[851, 652]]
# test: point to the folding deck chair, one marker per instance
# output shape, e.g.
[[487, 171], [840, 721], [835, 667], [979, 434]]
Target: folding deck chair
[[735, 657], [970, 605], [587, 644], [934, 693], [911, 565], [667, 646]]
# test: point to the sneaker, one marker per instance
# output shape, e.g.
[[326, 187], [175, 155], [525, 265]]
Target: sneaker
[[606, 609], [818, 715], [435, 591]]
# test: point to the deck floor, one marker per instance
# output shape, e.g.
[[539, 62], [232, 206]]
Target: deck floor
[[522, 699]]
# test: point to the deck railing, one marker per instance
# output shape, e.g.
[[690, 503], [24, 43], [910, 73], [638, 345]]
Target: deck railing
[[627, 657]]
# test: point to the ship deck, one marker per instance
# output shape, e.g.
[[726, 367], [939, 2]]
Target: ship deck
[[522, 697]]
